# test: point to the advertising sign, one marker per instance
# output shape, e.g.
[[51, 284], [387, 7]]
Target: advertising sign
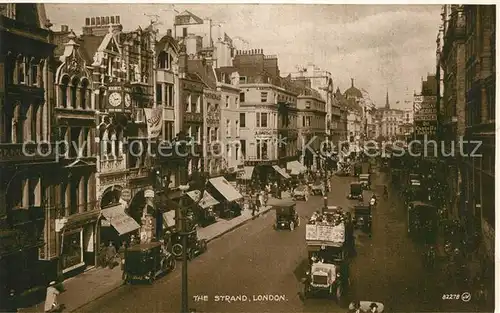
[[154, 118]]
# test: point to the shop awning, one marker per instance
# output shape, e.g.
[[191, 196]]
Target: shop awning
[[207, 201], [225, 188], [296, 167], [247, 173], [281, 171], [120, 220], [169, 218]]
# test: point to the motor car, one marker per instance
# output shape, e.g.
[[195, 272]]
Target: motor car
[[146, 261], [301, 192]]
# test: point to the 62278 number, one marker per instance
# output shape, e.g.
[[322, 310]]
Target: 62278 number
[[451, 296]]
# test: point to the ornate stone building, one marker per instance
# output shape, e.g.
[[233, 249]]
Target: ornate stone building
[[28, 163]]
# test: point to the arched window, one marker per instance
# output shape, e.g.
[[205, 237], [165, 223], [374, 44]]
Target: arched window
[[33, 72], [102, 105], [74, 92], [10, 68], [21, 70], [163, 60], [83, 93], [63, 91]]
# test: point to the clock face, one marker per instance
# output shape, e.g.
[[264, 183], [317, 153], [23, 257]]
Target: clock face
[[115, 99], [127, 100]]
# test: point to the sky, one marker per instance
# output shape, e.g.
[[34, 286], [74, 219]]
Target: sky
[[382, 47]]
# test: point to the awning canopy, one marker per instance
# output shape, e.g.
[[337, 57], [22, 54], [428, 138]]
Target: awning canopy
[[247, 173], [207, 201], [296, 167], [281, 171], [225, 188], [120, 220], [169, 218]]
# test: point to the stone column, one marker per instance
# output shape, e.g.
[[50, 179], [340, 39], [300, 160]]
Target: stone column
[[38, 192], [91, 192], [81, 142], [82, 196]]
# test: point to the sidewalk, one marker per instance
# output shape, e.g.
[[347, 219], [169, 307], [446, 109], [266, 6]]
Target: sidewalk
[[97, 282]]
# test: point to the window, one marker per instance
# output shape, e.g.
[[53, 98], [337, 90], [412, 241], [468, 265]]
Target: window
[[228, 151], [236, 102], [263, 120], [184, 32], [237, 156], [164, 60], [110, 67], [216, 133], [227, 101], [243, 144], [243, 79], [197, 104], [188, 103], [34, 74], [242, 119], [263, 97], [308, 104], [21, 71], [159, 98], [170, 95], [228, 128], [169, 131], [242, 97]]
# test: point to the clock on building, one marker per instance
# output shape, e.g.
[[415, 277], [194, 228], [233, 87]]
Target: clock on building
[[115, 99], [127, 100]]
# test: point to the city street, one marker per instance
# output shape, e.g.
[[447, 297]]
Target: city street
[[256, 260]]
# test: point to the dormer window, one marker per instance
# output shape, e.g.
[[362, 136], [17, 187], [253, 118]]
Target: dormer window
[[164, 60]]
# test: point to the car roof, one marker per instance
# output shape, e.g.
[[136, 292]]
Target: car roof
[[144, 246]]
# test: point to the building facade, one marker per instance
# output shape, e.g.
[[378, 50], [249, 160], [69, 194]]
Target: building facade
[[480, 120], [29, 253], [75, 124]]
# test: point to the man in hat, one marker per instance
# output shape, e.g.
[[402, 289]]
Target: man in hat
[[51, 298], [373, 308]]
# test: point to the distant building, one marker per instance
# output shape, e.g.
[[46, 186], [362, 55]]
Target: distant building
[[391, 124], [354, 98], [205, 38]]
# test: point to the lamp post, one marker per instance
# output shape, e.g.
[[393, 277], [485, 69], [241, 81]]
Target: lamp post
[[325, 182], [184, 235]]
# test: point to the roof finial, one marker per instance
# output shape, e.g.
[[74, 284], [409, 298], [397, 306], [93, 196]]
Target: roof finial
[[352, 82]]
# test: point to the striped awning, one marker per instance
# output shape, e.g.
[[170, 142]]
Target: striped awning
[[247, 173], [296, 167], [225, 189], [207, 201], [281, 171]]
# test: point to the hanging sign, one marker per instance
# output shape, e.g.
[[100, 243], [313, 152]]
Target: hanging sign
[[154, 119]]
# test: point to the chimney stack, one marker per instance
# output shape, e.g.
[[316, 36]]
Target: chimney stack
[[64, 28]]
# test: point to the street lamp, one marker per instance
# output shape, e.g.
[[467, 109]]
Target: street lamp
[[184, 233]]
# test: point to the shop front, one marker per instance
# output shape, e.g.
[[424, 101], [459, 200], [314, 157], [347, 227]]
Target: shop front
[[78, 242], [116, 224], [204, 212], [227, 195]]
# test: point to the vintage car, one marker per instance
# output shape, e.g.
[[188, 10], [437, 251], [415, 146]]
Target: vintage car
[[363, 218], [195, 246], [317, 188], [356, 191], [366, 306], [286, 215], [146, 261], [328, 273], [301, 192], [365, 180]]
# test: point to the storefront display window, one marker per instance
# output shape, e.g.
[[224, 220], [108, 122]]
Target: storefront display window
[[72, 254]]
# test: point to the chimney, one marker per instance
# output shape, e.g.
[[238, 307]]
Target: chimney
[[64, 28], [352, 82], [169, 32]]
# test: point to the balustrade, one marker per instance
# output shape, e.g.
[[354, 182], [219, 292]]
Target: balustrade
[[112, 165]]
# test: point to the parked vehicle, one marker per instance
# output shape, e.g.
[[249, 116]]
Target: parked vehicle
[[195, 246], [301, 192], [146, 262], [317, 188]]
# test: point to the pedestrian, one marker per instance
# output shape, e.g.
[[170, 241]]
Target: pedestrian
[[51, 304], [102, 255], [111, 255]]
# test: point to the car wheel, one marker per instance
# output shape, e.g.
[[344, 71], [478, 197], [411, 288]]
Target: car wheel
[[177, 250]]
